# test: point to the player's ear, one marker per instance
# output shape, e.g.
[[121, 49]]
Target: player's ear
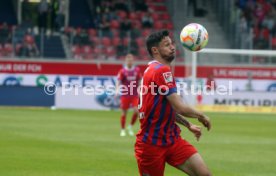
[[154, 50]]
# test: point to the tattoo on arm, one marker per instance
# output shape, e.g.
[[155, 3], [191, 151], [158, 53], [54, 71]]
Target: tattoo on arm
[[181, 120]]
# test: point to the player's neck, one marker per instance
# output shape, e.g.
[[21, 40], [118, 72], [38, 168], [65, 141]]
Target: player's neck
[[162, 61], [129, 67]]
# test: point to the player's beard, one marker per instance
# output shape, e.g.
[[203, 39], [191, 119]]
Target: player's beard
[[168, 58]]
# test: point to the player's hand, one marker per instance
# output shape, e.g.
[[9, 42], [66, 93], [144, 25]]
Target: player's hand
[[196, 130], [205, 121]]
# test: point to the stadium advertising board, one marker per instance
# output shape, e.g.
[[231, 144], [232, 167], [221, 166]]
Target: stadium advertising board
[[21, 73], [266, 99], [76, 68]]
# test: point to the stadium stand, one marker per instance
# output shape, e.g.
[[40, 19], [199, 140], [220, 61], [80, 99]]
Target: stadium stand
[[110, 29], [119, 28], [260, 15]]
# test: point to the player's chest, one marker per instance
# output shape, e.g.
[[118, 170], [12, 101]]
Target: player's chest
[[130, 75]]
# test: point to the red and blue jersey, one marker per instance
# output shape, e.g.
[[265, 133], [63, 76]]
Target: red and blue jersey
[[129, 78], [157, 117]]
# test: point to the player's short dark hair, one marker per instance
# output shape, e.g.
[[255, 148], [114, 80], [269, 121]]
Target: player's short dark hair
[[155, 38]]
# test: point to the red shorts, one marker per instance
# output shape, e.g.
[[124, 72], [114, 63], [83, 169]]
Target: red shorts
[[151, 159], [127, 101]]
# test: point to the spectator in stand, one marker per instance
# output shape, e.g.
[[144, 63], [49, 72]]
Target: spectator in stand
[[262, 16], [60, 15], [243, 23], [77, 38], [24, 50], [54, 8], [140, 5], [121, 50], [260, 41], [125, 27], [269, 20], [84, 38], [134, 47], [98, 18], [147, 21], [26, 11], [5, 35], [121, 5], [105, 27], [260, 12], [28, 50], [134, 33], [43, 10]]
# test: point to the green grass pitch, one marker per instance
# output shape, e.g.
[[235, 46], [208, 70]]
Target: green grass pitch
[[42, 142]]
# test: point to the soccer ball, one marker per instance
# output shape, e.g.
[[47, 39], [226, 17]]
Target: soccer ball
[[194, 37]]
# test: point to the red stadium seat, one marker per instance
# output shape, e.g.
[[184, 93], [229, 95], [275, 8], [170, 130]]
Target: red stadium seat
[[29, 39], [140, 15], [156, 17], [133, 16], [158, 8], [256, 32], [92, 32], [67, 30], [87, 49], [266, 33], [122, 14], [97, 51], [116, 41], [126, 41], [110, 52], [137, 24], [161, 8], [146, 32], [88, 57], [76, 50], [96, 40], [145, 58], [106, 41], [17, 47], [273, 43], [169, 26], [115, 33], [158, 25], [140, 41], [8, 48], [143, 52], [115, 24], [165, 16], [87, 52], [78, 30]]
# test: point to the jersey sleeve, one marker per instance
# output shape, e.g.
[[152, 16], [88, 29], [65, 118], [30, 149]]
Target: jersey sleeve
[[165, 81]]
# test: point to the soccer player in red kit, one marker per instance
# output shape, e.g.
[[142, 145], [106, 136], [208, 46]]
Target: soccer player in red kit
[[128, 81], [160, 107]]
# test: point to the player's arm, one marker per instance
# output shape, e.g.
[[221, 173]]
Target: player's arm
[[163, 77], [196, 130], [187, 111], [117, 87], [118, 83], [181, 120]]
